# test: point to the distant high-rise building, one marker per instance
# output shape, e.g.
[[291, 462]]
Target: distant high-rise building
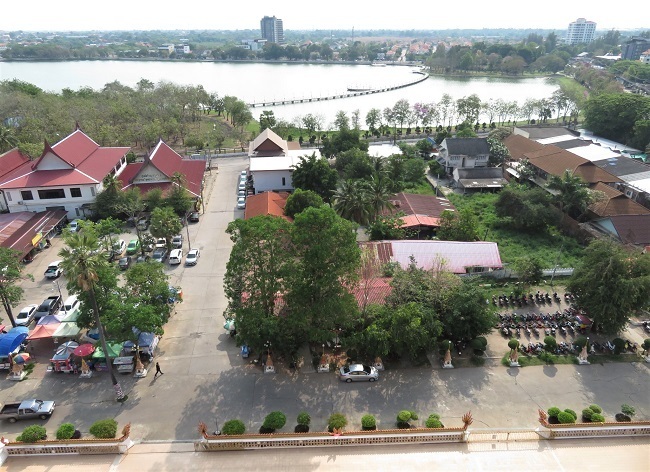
[[272, 29], [580, 31], [634, 47]]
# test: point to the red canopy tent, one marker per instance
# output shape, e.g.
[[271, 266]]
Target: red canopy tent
[[43, 331]]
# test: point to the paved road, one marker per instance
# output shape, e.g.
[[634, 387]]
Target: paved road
[[630, 455], [206, 380]]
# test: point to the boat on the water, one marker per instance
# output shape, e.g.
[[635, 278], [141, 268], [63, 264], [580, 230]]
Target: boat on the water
[[378, 64]]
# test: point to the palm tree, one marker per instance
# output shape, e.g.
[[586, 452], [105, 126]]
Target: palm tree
[[352, 203], [7, 139], [571, 193], [82, 261], [378, 193]]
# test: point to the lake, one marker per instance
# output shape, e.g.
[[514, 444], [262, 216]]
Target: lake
[[257, 82]]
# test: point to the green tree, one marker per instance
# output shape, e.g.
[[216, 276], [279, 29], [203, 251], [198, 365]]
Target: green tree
[[387, 227], [611, 283], [179, 198], [301, 199], [165, 224], [614, 115], [105, 229], [571, 193], [525, 209], [108, 200], [132, 205], [352, 202], [10, 274], [499, 153], [318, 287], [528, 270], [267, 120], [148, 284], [258, 269], [8, 139], [316, 175], [373, 119], [82, 264], [458, 226], [465, 315], [354, 164], [341, 141]]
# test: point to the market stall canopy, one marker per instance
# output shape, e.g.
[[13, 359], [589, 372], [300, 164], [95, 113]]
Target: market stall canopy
[[9, 342], [68, 327], [84, 350], [64, 351], [21, 358], [114, 350], [43, 331], [50, 319]]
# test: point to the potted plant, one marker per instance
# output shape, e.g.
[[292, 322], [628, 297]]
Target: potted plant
[[32, 434], [336, 423], [589, 412], [274, 420], [404, 417], [433, 421], [67, 431], [368, 423], [626, 414], [104, 429], [233, 428], [552, 415], [303, 423]]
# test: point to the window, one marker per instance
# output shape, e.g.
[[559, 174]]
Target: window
[[75, 192], [51, 194], [92, 191], [284, 181], [26, 195]]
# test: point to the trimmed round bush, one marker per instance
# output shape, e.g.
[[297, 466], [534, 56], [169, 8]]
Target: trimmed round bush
[[304, 419], [595, 408], [619, 345], [587, 413], [550, 344], [274, 420], [564, 417], [433, 421], [104, 429], [403, 416], [646, 344], [446, 345], [553, 411], [479, 344], [597, 418], [627, 410], [337, 421], [233, 428], [580, 341], [572, 413], [65, 431], [513, 344], [414, 415], [368, 422], [32, 434]]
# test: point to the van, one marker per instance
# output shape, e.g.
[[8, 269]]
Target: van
[[176, 256], [70, 305]]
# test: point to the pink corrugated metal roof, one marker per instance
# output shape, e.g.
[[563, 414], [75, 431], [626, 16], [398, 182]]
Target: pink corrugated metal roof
[[455, 256]]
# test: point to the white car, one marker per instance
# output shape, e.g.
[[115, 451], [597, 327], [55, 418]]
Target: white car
[[192, 257], [73, 226], [161, 243], [244, 173], [119, 247], [54, 270], [175, 257], [26, 315], [70, 305], [241, 203], [242, 186]]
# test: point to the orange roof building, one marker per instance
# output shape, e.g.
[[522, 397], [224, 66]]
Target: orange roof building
[[267, 203]]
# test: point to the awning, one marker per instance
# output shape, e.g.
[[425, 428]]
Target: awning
[[43, 331], [66, 330], [114, 350], [12, 340], [50, 319]]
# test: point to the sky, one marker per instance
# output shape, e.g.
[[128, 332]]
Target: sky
[[77, 15]]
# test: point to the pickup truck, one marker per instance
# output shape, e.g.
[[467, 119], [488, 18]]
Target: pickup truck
[[49, 306], [27, 409]]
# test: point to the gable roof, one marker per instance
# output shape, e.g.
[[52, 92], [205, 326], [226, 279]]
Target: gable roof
[[267, 143], [165, 159], [267, 203], [542, 132], [632, 229], [424, 205], [11, 160], [466, 146], [83, 162], [192, 170], [519, 145], [615, 203], [454, 256], [554, 160], [481, 177]]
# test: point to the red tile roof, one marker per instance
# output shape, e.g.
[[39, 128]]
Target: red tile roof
[[420, 210], [267, 203], [372, 291], [615, 203], [11, 160]]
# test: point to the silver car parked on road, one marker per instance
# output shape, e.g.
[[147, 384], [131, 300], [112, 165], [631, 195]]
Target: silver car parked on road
[[358, 373]]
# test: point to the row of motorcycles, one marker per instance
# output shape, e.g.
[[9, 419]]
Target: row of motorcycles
[[538, 298]]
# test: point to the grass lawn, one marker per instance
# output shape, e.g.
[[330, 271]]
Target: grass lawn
[[551, 247]]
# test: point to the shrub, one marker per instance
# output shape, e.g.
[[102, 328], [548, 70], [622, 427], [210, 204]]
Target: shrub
[[274, 420], [433, 421], [550, 344], [572, 413], [627, 410], [414, 415], [646, 344], [587, 413], [32, 434], [233, 428], [595, 408], [337, 421], [304, 419], [619, 345], [553, 411], [480, 343], [445, 346], [404, 416], [564, 417], [104, 429], [513, 344], [368, 422], [65, 431], [580, 341], [597, 418]]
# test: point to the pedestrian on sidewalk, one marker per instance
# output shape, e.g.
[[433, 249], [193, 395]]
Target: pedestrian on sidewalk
[[158, 371]]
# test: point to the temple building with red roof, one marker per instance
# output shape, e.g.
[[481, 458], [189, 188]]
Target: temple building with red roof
[[158, 169], [10, 161], [67, 176]]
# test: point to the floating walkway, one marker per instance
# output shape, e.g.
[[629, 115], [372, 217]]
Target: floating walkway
[[352, 92]]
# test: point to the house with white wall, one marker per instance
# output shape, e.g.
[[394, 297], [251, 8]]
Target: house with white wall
[[67, 176], [464, 153]]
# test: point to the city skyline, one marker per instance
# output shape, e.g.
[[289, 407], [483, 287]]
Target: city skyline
[[74, 15]]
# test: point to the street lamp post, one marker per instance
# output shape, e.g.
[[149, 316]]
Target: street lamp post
[[56, 284]]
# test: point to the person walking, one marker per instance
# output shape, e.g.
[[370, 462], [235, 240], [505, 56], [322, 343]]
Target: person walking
[[158, 371]]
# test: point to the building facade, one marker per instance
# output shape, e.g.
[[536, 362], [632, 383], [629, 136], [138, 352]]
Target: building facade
[[272, 29], [634, 47], [580, 31]]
